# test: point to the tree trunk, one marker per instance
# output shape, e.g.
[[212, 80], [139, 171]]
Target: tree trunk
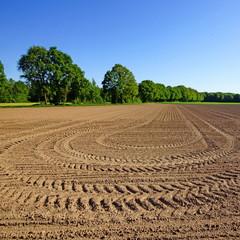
[[45, 98]]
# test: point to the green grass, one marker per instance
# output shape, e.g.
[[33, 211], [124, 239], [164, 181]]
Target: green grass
[[29, 104], [204, 103], [67, 104], [35, 104], [13, 105]]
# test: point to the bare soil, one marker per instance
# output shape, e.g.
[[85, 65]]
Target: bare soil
[[147, 171]]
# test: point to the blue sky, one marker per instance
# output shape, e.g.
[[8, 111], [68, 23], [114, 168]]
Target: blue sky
[[195, 43]]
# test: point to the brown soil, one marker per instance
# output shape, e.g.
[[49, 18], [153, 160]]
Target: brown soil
[[148, 171]]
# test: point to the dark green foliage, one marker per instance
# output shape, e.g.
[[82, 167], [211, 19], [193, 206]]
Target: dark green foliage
[[3, 85], [161, 93], [82, 90], [221, 97], [2, 75], [11, 91], [147, 91], [49, 73], [175, 94], [79, 85], [35, 66], [236, 98], [61, 72], [119, 85], [95, 93], [156, 92], [53, 77], [20, 92]]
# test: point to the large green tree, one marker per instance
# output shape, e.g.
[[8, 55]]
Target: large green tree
[[35, 68], [161, 92], [147, 91], [185, 93], [61, 71], [80, 86], [175, 94], [120, 85], [49, 72]]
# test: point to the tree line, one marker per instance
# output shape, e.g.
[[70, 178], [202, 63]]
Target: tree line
[[156, 92], [221, 97], [52, 77], [10, 90]]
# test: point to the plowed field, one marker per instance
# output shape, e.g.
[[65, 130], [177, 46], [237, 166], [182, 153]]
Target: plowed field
[[148, 171]]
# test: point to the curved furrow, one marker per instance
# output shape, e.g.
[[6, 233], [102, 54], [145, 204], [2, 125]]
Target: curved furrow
[[194, 138], [18, 140]]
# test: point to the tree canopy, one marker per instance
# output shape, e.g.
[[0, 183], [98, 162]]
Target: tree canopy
[[120, 85], [147, 91], [35, 66], [61, 72], [52, 75], [156, 92], [10, 90]]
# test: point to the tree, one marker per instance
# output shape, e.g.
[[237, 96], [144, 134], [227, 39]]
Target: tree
[[110, 87], [49, 73], [79, 82], [3, 84], [236, 98], [11, 91], [175, 94], [20, 92], [119, 85], [167, 93], [61, 71], [35, 66], [95, 93], [228, 97], [147, 91], [200, 96], [161, 92], [6, 87], [185, 93], [2, 75]]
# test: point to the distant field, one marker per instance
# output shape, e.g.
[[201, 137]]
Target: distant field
[[17, 104]]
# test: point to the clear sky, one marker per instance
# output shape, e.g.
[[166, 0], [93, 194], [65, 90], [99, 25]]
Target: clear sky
[[195, 43]]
